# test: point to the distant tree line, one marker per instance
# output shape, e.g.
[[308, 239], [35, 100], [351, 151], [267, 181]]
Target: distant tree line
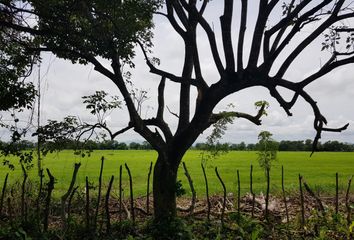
[[90, 144], [284, 145]]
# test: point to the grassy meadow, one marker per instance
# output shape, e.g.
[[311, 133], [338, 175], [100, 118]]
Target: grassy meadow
[[318, 170]]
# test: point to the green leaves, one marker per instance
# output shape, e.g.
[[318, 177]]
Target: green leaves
[[99, 105], [260, 104], [267, 150], [95, 27]]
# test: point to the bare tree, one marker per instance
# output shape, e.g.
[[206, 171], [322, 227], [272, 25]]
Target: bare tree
[[87, 32]]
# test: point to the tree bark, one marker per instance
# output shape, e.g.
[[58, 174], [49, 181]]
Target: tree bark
[[164, 188]]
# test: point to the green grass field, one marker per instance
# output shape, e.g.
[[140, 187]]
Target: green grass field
[[318, 170]]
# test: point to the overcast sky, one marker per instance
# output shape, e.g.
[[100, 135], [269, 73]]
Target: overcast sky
[[63, 84]]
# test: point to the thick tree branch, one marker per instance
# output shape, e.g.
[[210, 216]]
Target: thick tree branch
[[320, 120], [211, 37], [241, 35], [161, 99], [284, 104], [256, 119], [327, 23], [328, 67], [172, 19], [195, 82], [226, 21], [278, 37], [139, 126], [296, 23], [263, 14]]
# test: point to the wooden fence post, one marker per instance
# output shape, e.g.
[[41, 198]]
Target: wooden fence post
[[108, 217], [38, 210], [148, 191], [302, 202], [207, 192], [224, 197], [318, 200], [347, 203], [284, 195], [99, 194], [131, 193], [194, 195], [67, 194], [3, 191], [48, 199], [120, 193]]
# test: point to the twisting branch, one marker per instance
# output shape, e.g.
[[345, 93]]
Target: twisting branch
[[284, 104], [256, 119], [279, 35], [319, 30], [296, 22], [173, 21], [319, 120], [193, 11], [154, 139], [173, 113], [194, 82], [328, 67]]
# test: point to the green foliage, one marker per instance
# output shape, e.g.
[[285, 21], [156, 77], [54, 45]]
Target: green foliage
[[267, 150], [174, 229], [96, 27], [260, 104], [99, 105], [15, 66], [180, 191], [54, 135]]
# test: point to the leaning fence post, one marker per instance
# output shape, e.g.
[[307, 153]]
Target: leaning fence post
[[224, 197], [318, 200], [39, 194], [48, 199], [207, 192], [70, 201], [3, 191], [347, 204], [131, 193], [67, 194], [148, 191], [108, 217], [302, 202], [191, 208]]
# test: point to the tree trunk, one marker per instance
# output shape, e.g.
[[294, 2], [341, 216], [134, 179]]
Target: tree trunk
[[164, 188]]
